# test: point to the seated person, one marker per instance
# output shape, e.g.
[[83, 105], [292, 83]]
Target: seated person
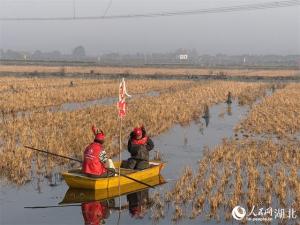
[[95, 159], [139, 145]]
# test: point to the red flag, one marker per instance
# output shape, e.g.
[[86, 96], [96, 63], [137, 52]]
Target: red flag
[[122, 103], [122, 108]]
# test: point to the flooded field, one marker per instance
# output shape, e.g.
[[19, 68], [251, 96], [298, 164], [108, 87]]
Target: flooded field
[[190, 144], [213, 161]]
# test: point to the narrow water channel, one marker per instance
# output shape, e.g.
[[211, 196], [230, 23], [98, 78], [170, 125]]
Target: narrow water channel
[[180, 147], [72, 106]]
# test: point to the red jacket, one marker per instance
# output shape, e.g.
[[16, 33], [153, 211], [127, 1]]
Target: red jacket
[[93, 212], [91, 163]]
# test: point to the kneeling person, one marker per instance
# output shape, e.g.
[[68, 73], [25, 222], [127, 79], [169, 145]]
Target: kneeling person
[[139, 145]]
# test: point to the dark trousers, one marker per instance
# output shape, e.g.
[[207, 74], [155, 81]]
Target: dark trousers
[[137, 164], [110, 173]]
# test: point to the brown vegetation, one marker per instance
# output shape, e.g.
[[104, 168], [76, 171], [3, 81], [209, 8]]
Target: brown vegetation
[[278, 114], [32, 93], [246, 172], [68, 133], [249, 172]]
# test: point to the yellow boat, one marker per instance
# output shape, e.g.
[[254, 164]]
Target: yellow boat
[[84, 195], [76, 179]]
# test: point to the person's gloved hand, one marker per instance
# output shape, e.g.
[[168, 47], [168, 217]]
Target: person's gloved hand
[[103, 157], [143, 131], [131, 135]]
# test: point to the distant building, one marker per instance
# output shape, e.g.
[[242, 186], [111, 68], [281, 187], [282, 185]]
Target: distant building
[[183, 57], [186, 56]]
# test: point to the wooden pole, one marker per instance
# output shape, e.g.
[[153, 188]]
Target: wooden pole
[[59, 206]]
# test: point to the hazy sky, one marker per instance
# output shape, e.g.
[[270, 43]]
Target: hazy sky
[[269, 31]]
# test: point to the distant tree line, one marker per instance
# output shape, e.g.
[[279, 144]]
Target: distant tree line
[[78, 53], [187, 57]]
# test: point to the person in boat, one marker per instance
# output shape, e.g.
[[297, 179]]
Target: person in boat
[[139, 145], [95, 159]]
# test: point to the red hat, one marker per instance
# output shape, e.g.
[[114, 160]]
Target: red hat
[[99, 134], [137, 131]]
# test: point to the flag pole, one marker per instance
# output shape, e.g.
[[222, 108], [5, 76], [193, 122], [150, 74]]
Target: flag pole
[[120, 160], [120, 149], [122, 113]]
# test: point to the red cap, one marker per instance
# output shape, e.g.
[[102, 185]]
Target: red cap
[[137, 131], [99, 134]]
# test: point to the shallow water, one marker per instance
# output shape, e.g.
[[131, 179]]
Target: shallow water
[[71, 106], [180, 146]]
